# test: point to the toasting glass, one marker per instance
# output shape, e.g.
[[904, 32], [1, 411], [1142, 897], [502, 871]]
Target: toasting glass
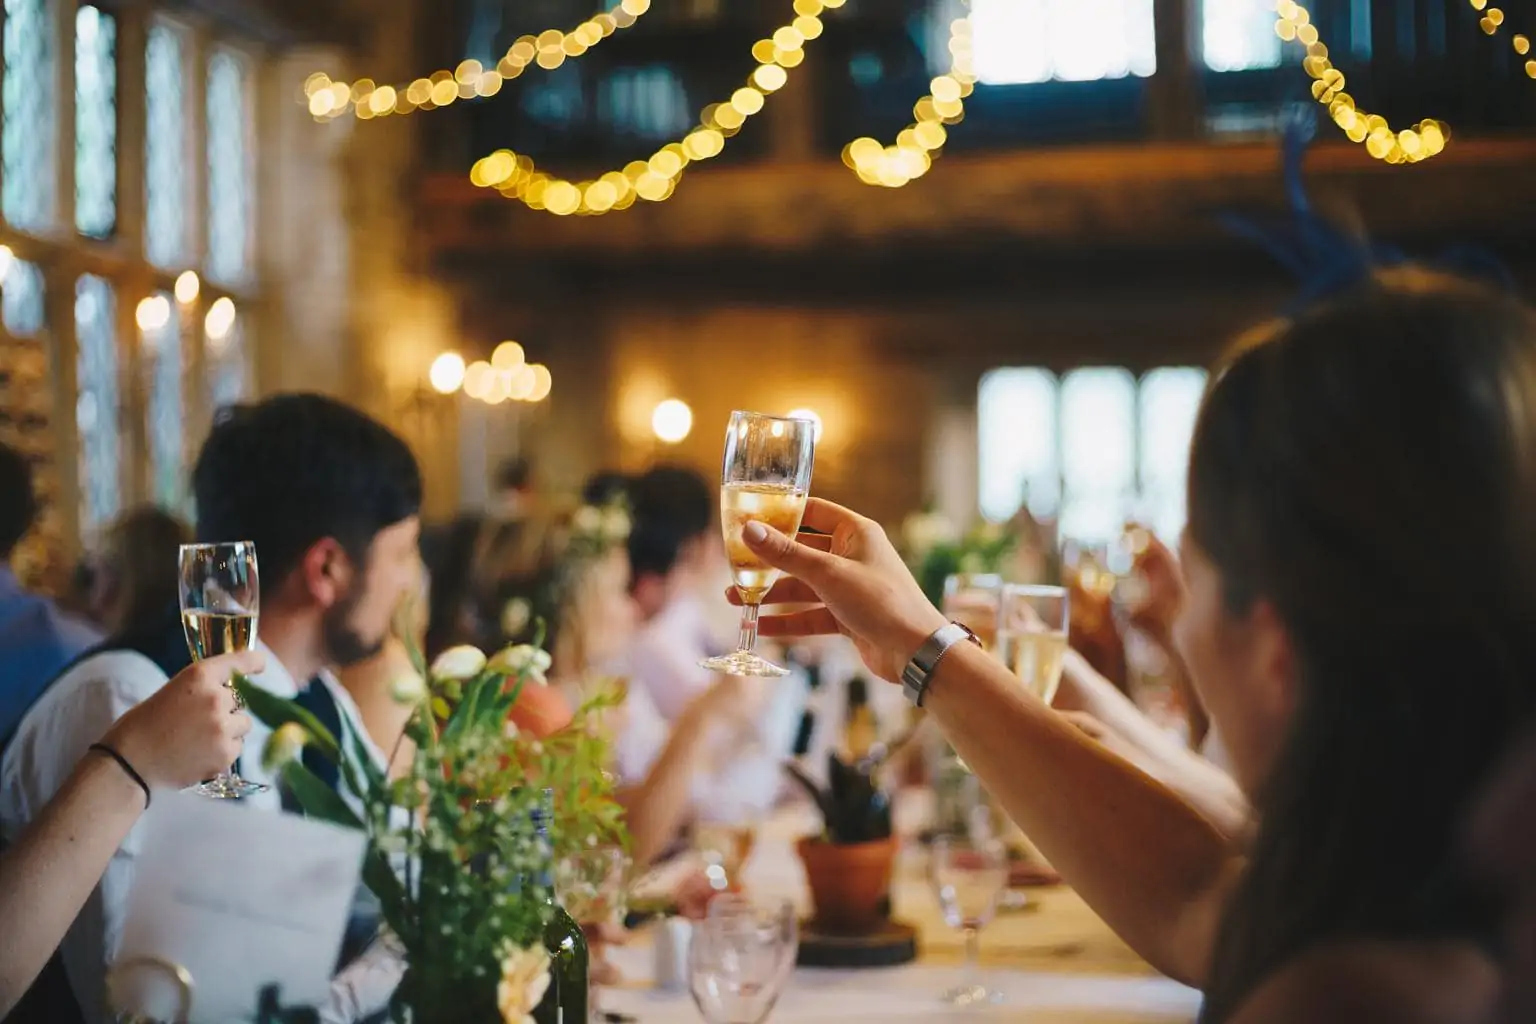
[[220, 601], [766, 479]]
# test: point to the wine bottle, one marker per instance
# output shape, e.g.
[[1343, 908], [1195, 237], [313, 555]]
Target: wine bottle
[[565, 1002], [860, 730]]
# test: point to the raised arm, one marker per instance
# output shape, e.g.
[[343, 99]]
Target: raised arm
[[1155, 869], [189, 730]]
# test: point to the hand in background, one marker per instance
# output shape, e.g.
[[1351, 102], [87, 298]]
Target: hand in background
[[191, 729]]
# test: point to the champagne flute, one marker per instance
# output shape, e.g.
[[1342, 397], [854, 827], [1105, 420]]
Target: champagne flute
[[1032, 625], [971, 599], [969, 876], [220, 601], [766, 479]]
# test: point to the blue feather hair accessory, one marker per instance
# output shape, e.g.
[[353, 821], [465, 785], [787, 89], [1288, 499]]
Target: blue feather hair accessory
[[1327, 259]]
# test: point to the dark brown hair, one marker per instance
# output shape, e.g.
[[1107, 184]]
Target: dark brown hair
[[1365, 470]]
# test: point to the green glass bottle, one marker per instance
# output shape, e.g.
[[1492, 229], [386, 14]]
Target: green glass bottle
[[569, 960]]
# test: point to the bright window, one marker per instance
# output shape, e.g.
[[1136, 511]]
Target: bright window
[[1022, 41], [1091, 449], [1239, 35]]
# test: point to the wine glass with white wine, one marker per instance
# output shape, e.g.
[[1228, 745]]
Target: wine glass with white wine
[[220, 601], [766, 479], [1032, 625]]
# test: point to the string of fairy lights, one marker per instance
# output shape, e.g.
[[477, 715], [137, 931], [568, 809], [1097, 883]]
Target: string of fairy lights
[[516, 176], [366, 99]]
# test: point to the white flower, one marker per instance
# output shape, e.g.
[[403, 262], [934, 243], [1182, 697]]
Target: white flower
[[523, 660], [408, 687], [524, 980], [515, 615], [587, 520], [616, 525], [463, 662], [285, 744]]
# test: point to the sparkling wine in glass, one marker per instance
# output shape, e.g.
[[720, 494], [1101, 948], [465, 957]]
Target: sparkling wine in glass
[[1032, 624], [220, 601], [969, 876], [971, 599], [766, 479]]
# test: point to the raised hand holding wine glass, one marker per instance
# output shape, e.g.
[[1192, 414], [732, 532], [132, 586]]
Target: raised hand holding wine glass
[[220, 603], [766, 479]]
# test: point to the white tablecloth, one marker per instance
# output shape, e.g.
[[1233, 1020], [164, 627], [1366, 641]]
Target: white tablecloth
[[1055, 963]]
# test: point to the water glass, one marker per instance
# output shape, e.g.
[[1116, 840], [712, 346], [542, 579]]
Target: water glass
[[740, 959], [969, 876]]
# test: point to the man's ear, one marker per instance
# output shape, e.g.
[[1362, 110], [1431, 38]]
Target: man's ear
[[325, 572]]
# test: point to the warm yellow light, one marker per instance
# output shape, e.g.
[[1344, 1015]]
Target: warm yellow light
[[747, 100], [447, 373], [220, 319], [477, 379], [808, 414], [383, 99], [672, 421], [770, 77], [445, 92], [321, 103], [509, 355], [188, 287], [808, 27], [542, 382], [519, 383], [788, 38], [561, 197], [468, 71], [316, 82], [153, 313]]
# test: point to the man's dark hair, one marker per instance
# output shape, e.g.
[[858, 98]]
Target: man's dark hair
[[605, 488], [18, 499], [294, 469], [515, 475], [669, 506]]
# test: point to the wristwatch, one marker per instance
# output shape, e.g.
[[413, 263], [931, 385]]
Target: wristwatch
[[915, 677]]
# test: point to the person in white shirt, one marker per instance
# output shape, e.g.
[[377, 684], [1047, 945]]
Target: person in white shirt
[[331, 499]]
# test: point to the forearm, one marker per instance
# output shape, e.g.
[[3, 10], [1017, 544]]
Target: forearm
[[47, 875], [1150, 865], [1207, 789], [655, 809]]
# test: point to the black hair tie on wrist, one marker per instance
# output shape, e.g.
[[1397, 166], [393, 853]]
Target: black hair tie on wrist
[[122, 762]]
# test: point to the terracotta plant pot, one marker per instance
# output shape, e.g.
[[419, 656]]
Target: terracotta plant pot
[[850, 885]]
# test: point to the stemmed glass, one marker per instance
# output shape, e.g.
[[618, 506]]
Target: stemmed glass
[[593, 887], [740, 959], [766, 478], [971, 599], [969, 876], [220, 601], [1032, 626]]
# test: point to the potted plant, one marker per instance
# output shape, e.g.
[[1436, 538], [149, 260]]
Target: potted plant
[[462, 849], [848, 866]]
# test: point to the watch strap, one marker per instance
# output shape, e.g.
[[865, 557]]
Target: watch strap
[[919, 671]]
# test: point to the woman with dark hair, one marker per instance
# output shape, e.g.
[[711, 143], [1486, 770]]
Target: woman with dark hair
[[134, 581], [1359, 623]]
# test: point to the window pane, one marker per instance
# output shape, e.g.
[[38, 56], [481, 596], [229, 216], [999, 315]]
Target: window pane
[[229, 167], [1239, 35], [1098, 452], [165, 149], [648, 102], [95, 122], [167, 410], [1018, 41], [27, 139], [21, 299], [227, 368], [1016, 437], [97, 403], [1170, 399]]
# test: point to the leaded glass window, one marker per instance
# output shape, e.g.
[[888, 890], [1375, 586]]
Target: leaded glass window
[[167, 409], [29, 191], [95, 122], [1239, 35], [21, 299], [96, 406], [1016, 434], [166, 194], [229, 166], [1022, 41], [228, 368]]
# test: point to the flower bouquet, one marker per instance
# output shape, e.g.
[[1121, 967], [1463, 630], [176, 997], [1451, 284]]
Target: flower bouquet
[[461, 849]]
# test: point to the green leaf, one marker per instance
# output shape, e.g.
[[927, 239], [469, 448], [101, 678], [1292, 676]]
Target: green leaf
[[382, 881], [274, 711], [318, 800]]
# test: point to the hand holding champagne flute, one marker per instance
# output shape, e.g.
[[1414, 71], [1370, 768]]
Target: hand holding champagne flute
[[220, 600], [766, 479]]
